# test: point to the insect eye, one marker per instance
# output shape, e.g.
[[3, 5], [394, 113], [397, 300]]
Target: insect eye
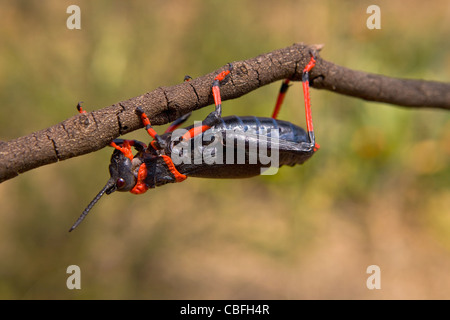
[[120, 183]]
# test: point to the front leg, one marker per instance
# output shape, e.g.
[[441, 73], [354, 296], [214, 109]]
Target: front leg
[[215, 116], [148, 127], [124, 146]]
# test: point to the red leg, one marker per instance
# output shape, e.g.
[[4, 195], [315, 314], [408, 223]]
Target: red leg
[[146, 122], [212, 118], [178, 122], [125, 148], [178, 176], [280, 98], [194, 132], [305, 80], [80, 108]]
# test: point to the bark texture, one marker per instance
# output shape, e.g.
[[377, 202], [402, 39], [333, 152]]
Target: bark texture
[[84, 133]]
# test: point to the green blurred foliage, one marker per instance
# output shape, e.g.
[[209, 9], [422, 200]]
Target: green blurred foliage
[[377, 192]]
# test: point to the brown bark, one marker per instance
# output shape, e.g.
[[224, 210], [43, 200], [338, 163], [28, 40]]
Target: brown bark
[[84, 133]]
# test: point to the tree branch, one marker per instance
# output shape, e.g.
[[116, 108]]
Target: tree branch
[[92, 131]]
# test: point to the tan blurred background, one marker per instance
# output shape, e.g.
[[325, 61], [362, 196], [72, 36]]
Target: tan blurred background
[[377, 192]]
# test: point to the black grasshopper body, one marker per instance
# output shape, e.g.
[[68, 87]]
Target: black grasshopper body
[[231, 147], [233, 134]]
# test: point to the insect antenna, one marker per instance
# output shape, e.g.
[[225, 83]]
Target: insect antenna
[[108, 188]]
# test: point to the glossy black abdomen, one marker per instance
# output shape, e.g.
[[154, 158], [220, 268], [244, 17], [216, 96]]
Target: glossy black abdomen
[[240, 147]]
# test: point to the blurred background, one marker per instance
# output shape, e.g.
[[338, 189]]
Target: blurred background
[[377, 192]]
